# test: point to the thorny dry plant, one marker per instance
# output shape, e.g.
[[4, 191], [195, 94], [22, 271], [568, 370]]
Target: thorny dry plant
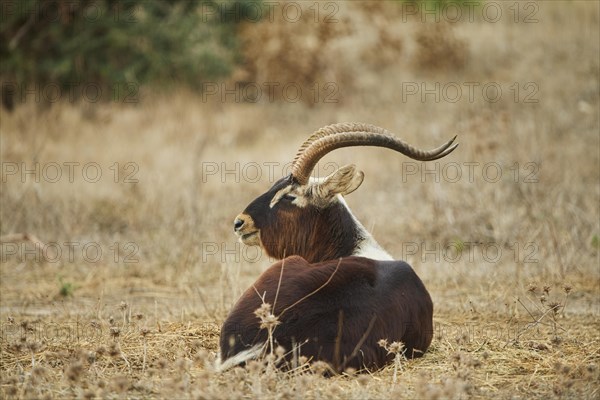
[[398, 350], [545, 308]]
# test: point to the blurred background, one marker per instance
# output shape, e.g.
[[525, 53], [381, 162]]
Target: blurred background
[[110, 50], [133, 132]]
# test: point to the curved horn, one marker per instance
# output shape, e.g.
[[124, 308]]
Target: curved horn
[[327, 131], [336, 136]]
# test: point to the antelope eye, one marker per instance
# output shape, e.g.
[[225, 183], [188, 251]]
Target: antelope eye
[[288, 197]]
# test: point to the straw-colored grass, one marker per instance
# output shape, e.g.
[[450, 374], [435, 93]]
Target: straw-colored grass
[[143, 320]]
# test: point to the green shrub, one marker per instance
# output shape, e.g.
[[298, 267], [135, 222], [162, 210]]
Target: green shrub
[[113, 46]]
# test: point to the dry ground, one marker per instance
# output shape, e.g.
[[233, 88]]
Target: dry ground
[[511, 262]]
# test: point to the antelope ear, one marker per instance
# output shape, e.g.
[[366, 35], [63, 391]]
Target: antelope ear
[[343, 181]]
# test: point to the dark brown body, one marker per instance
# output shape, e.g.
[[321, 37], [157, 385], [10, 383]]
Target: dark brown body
[[334, 305], [365, 301]]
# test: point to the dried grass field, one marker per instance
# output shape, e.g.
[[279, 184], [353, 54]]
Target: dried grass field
[[136, 264]]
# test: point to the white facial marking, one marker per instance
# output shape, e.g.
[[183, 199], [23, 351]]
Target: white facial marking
[[299, 201], [279, 195]]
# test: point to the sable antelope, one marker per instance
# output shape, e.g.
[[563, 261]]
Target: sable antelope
[[339, 292]]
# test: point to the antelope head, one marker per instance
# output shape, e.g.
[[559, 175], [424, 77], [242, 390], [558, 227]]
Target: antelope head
[[308, 217]]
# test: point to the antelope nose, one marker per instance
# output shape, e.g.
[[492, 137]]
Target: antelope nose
[[237, 224]]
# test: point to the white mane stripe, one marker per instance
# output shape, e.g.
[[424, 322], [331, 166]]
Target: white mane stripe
[[368, 247]]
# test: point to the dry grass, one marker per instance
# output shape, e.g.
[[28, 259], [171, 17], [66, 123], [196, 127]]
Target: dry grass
[[505, 326]]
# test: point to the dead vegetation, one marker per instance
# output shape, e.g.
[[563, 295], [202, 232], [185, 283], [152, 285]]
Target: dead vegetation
[[439, 48], [142, 319], [319, 50]]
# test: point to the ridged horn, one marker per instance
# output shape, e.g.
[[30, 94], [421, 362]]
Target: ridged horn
[[331, 137]]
